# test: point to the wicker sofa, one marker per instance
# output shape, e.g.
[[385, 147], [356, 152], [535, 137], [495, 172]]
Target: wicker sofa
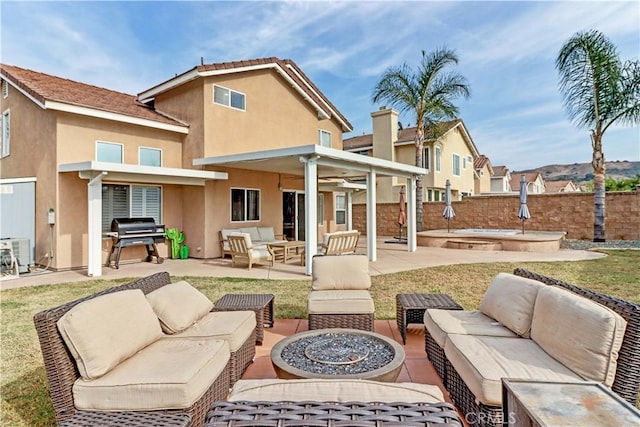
[[87, 371], [527, 329], [328, 402]]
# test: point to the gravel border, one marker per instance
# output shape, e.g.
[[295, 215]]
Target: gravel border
[[586, 245]]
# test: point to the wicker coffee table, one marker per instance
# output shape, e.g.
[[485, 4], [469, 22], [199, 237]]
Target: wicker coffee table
[[130, 419], [262, 304], [410, 308]]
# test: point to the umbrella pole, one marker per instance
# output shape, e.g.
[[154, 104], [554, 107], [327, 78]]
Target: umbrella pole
[[523, 226]]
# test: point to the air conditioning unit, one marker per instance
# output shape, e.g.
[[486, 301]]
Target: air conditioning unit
[[22, 252]]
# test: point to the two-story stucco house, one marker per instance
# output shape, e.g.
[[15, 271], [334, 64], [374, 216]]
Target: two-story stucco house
[[535, 182], [221, 145], [448, 155]]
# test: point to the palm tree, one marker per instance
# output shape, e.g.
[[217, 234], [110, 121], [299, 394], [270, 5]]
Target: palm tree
[[598, 91], [427, 94]]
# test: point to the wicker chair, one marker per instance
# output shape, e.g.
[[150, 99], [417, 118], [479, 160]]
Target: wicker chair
[[627, 379], [241, 248], [61, 370], [339, 296]]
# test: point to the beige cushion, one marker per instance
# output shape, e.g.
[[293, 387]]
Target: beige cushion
[[440, 322], [340, 302], [169, 374], [103, 331], [510, 299], [235, 327], [252, 232], [330, 390], [580, 333], [178, 306], [483, 361], [260, 253], [340, 272], [266, 234]]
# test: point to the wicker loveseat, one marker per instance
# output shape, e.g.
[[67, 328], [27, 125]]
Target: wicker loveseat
[[91, 372], [527, 329]]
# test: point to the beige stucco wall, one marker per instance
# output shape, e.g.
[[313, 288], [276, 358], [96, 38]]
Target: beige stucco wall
[[32, 154], [483, 182]]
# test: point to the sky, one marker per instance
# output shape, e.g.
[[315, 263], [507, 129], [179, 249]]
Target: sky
[[506, 51]]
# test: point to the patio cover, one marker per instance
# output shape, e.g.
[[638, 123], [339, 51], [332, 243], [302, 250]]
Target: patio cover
[[315, 162], [95, 172]]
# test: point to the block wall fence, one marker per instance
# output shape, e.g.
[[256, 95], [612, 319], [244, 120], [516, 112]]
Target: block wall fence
[[569, 212]]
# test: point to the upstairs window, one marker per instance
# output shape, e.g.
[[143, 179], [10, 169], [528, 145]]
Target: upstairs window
[[438, 158], [426, 157], [6, 133], [245, 205], [324, 138], [149, 156], [5, 89], [228, 97], [109, 152], [456, 165]]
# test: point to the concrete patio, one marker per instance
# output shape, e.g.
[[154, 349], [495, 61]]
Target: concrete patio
[[392, 258]]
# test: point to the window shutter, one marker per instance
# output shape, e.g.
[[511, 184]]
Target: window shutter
[[146, 202]]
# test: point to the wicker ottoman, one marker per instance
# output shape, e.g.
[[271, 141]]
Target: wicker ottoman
[[132, 419], [262, 304]]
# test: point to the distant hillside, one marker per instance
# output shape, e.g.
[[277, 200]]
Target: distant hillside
[[580, 173]]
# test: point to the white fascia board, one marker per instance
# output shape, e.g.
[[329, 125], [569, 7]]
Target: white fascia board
[[149, 94], [92, 166], [381, 165], [22, 91], [256, 155], [91, 112], [17, 180], [337, 116], [470, 143]]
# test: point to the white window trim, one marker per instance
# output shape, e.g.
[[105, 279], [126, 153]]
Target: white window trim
[[245, 200], [437, 165], [6, 142], [5, 89], [100, 141], [150, 148], [335, 204], [320, 133], [453, 164], [130, 197], [213, 97], [428, 165]]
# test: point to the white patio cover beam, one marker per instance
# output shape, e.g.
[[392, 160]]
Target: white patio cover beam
[[412, 240], [94, 224], [371, 216], [311, 214]]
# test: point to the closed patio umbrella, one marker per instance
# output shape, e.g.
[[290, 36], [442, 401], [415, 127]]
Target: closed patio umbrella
[[402, 215], [523, 212], [448, 210]]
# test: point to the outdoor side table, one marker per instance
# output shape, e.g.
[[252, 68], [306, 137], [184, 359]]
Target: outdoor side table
[[262, 304], [133, 419], [410, 308]]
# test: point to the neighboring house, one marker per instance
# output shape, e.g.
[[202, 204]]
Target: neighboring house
[[219, 146], [501, 180], [483, 173], [560, 187], [534, 180], [448, 155]]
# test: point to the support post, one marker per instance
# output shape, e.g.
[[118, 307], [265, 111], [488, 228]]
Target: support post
[[412, 240], [311, 208], [94, 225], [371, 216]]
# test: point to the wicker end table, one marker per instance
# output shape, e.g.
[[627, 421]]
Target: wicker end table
[[262, 304], [131, 419], [410, 308]]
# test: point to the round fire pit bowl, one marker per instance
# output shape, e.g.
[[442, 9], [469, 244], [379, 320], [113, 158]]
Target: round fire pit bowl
[[338, 353]]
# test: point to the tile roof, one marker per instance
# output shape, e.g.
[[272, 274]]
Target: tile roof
[[501, 171], [405, 135], [44, 87], [528, 176], [481, 161]]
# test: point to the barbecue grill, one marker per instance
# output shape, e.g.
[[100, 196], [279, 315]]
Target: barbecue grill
[[127, 232]]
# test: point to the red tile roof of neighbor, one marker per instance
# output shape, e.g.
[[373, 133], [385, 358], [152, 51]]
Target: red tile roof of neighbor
[[405, 135], [44, 87]]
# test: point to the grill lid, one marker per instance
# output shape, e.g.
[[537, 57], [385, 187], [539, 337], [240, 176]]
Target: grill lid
[[133, 225]]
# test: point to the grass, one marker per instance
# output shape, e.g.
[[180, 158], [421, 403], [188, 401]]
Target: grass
[[25, 400]]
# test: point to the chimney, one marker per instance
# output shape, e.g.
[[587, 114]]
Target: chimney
[[385, 133]]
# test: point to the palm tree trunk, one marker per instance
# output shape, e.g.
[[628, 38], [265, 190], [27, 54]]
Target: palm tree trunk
[[598, 187]]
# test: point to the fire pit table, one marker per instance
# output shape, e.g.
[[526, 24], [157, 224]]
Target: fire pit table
[[338, 353]]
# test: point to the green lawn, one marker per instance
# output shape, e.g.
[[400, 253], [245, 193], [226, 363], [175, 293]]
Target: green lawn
[[25, 400]]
